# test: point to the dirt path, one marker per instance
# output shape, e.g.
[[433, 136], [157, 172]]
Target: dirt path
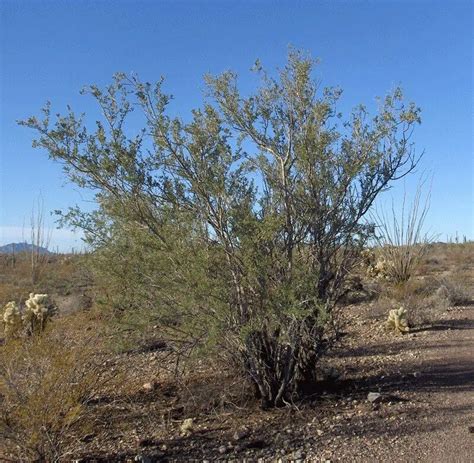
[[432, 371], [427, 379], [447, 380]]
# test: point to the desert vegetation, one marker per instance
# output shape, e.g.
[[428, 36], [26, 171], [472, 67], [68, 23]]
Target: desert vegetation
[[254, 208], [234, 255]]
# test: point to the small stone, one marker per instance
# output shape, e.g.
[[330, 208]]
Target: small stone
[[222, 449], [145, 442], [257, 444], [144, 459], [319, 432], [148, 387], [241, 434], [299, 455], [374, 397]]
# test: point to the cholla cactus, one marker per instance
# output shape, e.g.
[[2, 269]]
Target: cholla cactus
[[187, 427], [11, 320], [37, 313], [397, 320], [377, 268], [368, 256]]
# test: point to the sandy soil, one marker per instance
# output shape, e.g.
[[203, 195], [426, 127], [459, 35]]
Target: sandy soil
[[425, 412], [430, 374]]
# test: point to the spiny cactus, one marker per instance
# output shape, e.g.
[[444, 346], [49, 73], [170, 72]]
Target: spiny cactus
[[187, 427], [376, 267], [397, 320], [11, 320], [38, 312]]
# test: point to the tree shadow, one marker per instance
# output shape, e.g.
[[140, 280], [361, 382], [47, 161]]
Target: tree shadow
[[445, 325]]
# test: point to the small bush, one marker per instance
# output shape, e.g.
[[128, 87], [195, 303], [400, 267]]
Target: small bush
[[376, 266], [39, 310], [11, 320], [455, 289], [45, 385], [401, 241], [423, 301]]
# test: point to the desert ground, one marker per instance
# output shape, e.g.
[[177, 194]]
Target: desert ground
[[381, 396]]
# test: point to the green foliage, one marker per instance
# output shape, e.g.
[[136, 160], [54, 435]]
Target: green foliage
[[238, 227]]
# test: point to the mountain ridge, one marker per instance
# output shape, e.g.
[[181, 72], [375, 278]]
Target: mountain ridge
[[15, 248]]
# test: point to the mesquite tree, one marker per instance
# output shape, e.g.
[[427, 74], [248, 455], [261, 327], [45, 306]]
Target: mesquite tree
[[252, 209]]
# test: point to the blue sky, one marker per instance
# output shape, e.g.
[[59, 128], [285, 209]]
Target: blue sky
[[50, 49]]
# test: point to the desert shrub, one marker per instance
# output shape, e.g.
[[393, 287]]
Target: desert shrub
[[422, 299], [45, 385], [40, 239], [39, 310], [401, 243], [238, 228], [455, 288], [375, 265]]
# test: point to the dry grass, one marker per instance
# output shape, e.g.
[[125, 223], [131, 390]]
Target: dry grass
[[442, 257], [46, 382], [63, 275], [444, 278]]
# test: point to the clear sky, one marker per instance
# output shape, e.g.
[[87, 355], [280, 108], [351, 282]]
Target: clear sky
[[50, 49]]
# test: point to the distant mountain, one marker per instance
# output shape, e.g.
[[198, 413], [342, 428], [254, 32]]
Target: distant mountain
[[15, 248]]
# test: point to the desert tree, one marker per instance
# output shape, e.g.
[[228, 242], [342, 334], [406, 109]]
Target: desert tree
[[243, 221]]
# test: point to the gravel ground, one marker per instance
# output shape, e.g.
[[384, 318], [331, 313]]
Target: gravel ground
[[424, 411]]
